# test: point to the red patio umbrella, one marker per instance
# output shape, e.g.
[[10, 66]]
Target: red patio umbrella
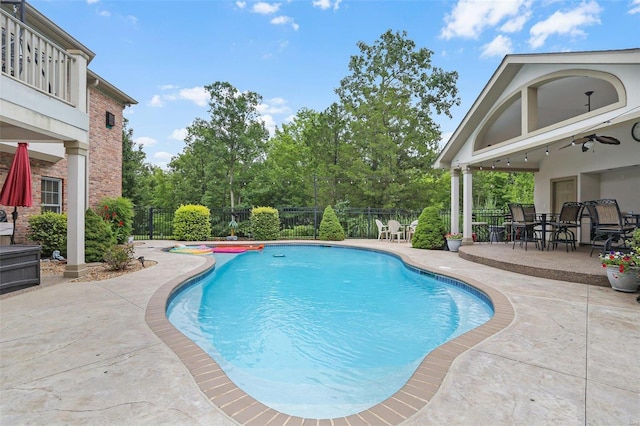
[[16, 190]]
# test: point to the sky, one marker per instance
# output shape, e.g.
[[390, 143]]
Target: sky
[[294, 53]]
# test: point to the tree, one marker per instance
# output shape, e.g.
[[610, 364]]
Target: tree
[[136, 175], [220, 152], [389, 96]]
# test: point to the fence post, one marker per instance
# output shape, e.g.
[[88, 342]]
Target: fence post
[[151, 223]]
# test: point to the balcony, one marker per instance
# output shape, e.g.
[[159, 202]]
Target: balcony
[[44, 82]]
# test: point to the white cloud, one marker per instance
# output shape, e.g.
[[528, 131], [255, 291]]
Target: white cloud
[[571, 22], [265, 8], [326, 4], [322, 4], [104, 13], [197, 95], [275, 106], [470, 17], [516, 24], [156, 101], [499, 46], [144, 140], [132, 19], [178, 135], [92, 1], [282, 20], [269, 123], [635, 7], [241, 4], [168, 87]]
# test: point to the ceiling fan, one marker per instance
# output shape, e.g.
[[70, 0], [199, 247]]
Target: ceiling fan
[[589, 140]]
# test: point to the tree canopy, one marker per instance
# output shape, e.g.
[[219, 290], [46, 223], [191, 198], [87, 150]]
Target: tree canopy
[[374, 147]]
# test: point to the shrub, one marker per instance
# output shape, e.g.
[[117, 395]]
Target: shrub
[[330, 228], [265, 223], [298, 231], [98, 237], [50, 231], [118, 257], [430, 230], [118, 213], [192, 223]]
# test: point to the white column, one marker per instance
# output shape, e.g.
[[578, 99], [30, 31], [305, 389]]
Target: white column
[[455, 200], [467, 205], [78, 80], [76, 206]]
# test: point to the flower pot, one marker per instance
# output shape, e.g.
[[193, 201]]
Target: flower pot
[[454, 245], [622, 281]]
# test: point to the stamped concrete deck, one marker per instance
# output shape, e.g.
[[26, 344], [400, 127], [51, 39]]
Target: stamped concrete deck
[[82, 353]]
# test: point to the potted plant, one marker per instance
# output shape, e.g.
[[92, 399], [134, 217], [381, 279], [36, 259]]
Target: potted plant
[[454, 239], [233, 225], [622, 270]]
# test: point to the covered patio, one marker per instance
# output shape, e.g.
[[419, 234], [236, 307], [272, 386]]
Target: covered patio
[[571, 118]]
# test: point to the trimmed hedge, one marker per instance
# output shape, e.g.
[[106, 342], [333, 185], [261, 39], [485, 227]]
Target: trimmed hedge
[[430, 230], [330, 228], [98, 237], [265, 223], [192, 223]]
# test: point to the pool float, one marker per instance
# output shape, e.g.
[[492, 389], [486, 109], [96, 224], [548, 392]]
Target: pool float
[[192, 249], [229, 249], [236, 248]]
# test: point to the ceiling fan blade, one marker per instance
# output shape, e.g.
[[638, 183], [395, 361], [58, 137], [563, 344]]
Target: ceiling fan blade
[[584, 139], [607, 140]]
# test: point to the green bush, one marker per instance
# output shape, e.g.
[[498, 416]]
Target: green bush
[[330, 228], [50, 231], [118, 213], [298, 231], [265, 223], [192, 223], [118, 257], [430, 230], [98, 237]]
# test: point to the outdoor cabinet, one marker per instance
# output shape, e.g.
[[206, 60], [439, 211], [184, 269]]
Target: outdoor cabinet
[[19, 267]]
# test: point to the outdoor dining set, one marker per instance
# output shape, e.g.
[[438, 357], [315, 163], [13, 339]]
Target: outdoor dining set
[[607, 225], [522, 224]]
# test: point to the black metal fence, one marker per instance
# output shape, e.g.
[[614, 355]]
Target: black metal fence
[[154, 223]]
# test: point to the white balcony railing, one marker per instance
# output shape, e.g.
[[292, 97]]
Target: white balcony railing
[[32, 59]]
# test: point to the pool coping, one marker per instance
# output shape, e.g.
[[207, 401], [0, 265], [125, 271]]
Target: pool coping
[[421, 387]]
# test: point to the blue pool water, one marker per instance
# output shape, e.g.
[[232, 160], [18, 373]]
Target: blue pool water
[[321, 332]]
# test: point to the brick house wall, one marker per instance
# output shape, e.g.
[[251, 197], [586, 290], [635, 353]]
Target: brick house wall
[[104, 163]]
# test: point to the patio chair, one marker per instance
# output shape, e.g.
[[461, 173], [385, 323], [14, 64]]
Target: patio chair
[[563, 228], [520, 222], [411, 229], [608, 225], [383, 230], [395, 230]]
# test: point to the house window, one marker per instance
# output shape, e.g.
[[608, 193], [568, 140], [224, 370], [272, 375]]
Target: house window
[[51, 195]]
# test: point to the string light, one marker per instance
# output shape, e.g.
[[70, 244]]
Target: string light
[[526, 157], [546, 152], [480, 166], [493, 166], [508, 162]]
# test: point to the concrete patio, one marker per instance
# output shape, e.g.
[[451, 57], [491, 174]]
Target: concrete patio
[[82, 353]]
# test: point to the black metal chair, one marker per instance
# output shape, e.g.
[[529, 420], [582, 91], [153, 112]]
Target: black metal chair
[[607, 224], [563, 228], [521, 223]]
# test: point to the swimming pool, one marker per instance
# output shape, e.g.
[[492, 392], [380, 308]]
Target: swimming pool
[[320, 331]]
